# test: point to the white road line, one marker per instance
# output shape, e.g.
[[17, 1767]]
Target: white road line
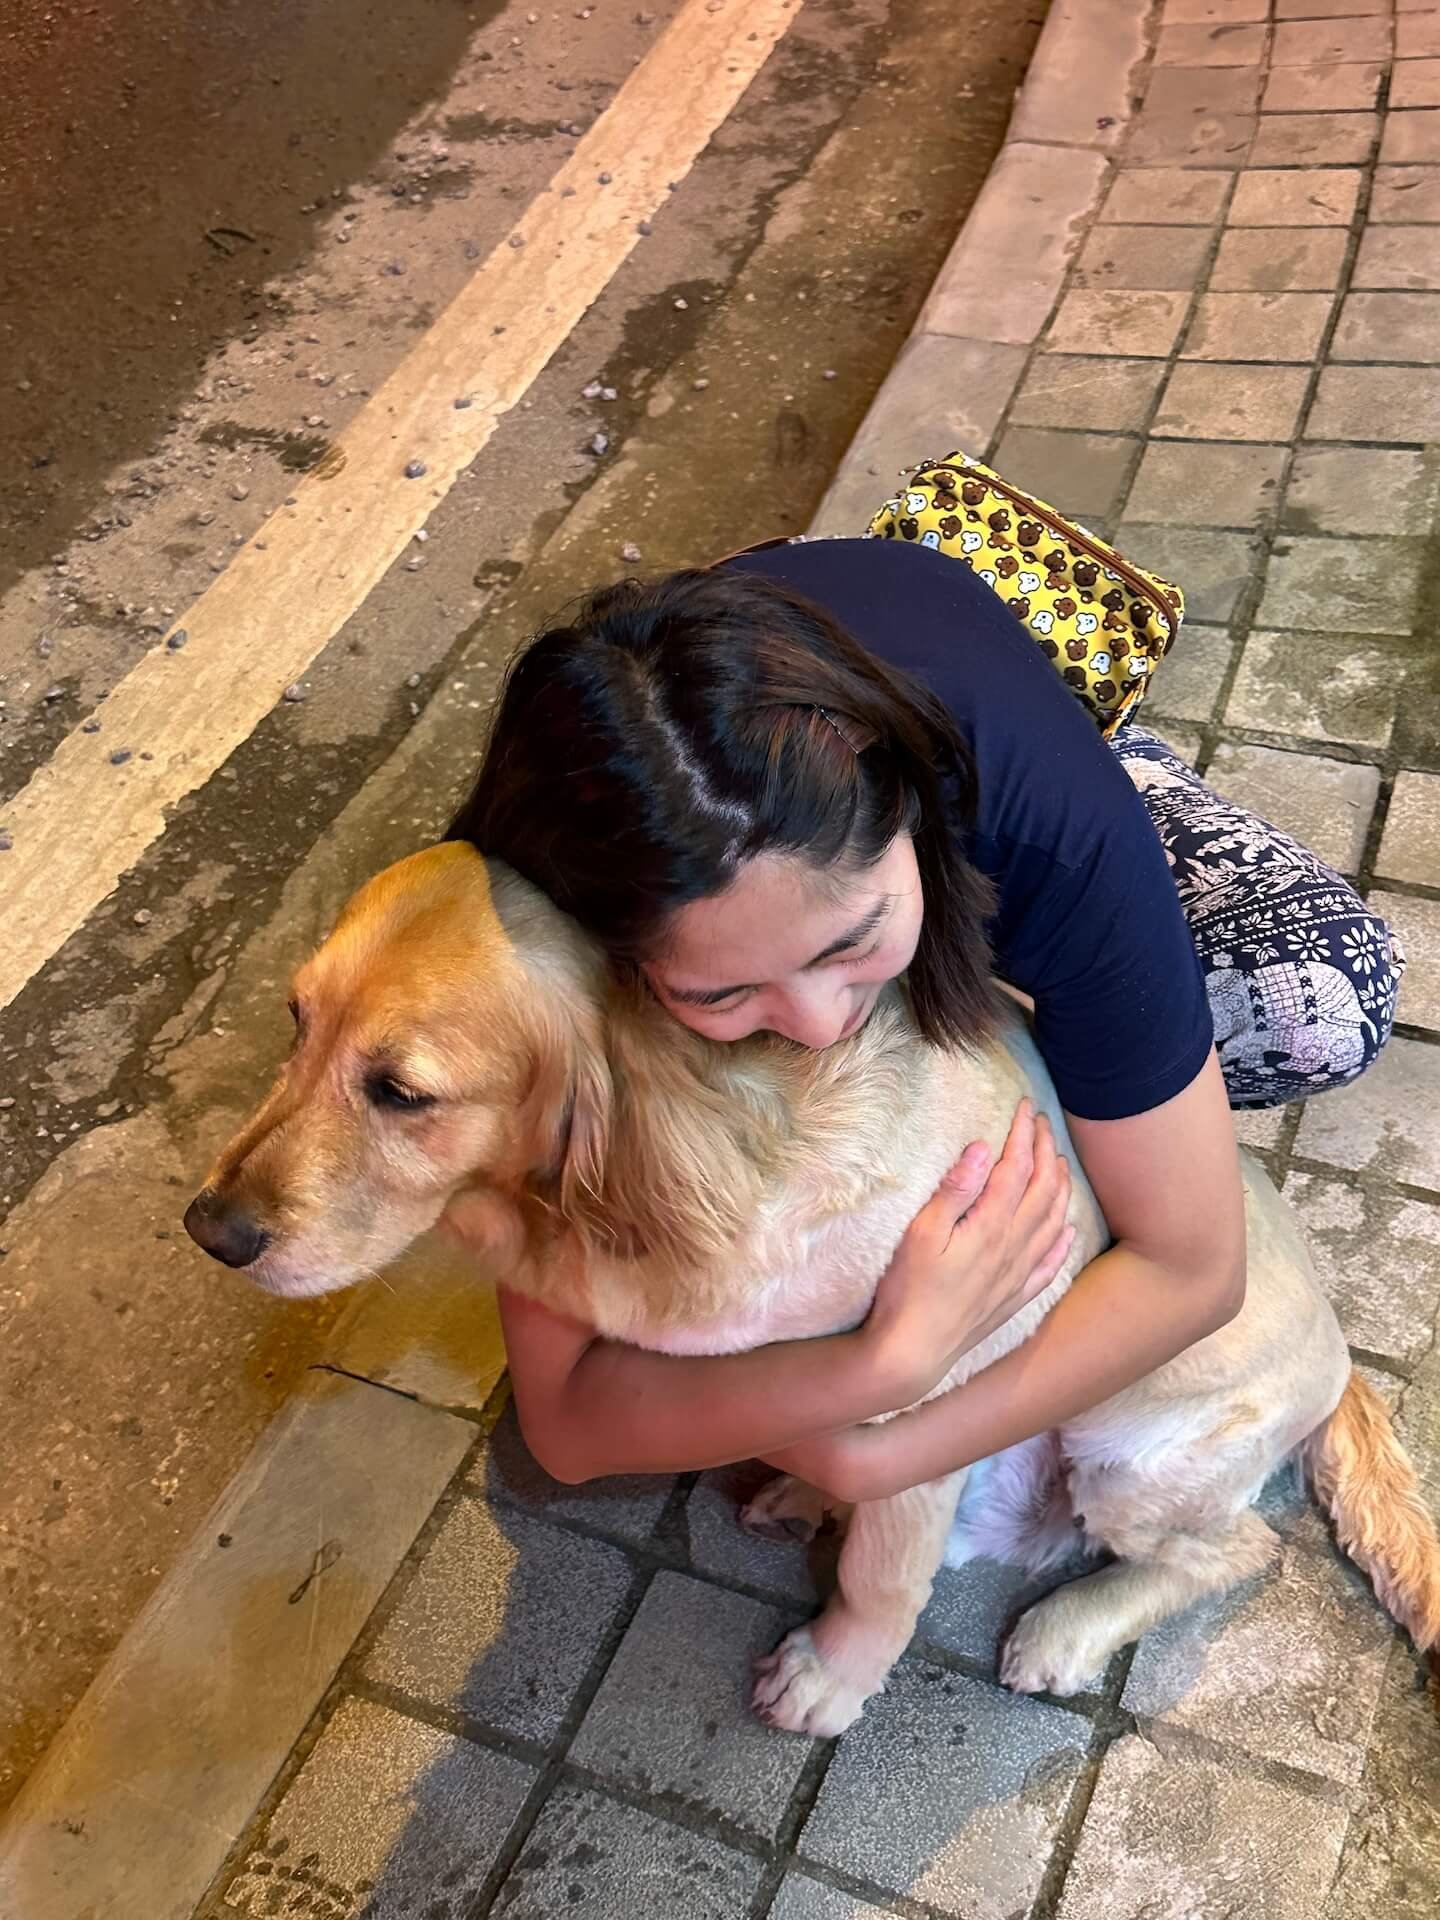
[[82, 821]]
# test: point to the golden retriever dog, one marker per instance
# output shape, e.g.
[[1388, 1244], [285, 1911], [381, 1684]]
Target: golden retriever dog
[[456, 1034]]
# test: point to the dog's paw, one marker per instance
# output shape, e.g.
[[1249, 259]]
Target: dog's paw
[[784, 1509], [1048, 1651], [794, 1689]]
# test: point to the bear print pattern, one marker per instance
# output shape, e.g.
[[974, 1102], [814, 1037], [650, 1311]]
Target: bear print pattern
[[1105, 636]]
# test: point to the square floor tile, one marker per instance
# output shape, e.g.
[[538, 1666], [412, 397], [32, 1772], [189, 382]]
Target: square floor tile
[[1295, 197], [1257, 326], [1325, 804], [1213, 401], [1278, 259], [1188, 483], [1410, 844]]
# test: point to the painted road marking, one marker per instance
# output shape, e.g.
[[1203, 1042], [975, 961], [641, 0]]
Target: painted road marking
[[83, 821]]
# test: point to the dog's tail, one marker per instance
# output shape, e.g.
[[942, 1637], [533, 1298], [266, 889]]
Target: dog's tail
[[1363, 1478]]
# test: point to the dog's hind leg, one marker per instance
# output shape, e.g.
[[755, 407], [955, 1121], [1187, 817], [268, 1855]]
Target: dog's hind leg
[[789, 1509], [820, 1676], [1066, 1639]]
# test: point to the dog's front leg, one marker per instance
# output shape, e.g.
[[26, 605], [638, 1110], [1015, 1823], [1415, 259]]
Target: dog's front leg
[[820, 1676]]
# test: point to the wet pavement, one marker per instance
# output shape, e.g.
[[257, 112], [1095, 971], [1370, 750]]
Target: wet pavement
[[220, 228]]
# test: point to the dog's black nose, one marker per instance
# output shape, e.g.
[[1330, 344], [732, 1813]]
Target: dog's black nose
[[223, 1230]]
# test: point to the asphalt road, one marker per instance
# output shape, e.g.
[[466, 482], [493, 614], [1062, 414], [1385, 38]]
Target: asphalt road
[[223, 224]]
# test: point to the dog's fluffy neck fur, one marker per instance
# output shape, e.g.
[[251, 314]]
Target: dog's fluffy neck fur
[[660, 1148]]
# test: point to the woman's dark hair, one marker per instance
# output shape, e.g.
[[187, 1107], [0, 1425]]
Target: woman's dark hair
[[677, 727]]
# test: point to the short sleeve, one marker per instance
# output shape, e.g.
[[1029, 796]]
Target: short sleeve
[[1121, 1015]]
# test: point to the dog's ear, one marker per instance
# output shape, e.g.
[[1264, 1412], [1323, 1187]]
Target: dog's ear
[[584, 1136], [566, 1123], [673, 1170]]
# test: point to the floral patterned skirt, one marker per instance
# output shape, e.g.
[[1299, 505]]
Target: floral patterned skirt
[[1301, 974]]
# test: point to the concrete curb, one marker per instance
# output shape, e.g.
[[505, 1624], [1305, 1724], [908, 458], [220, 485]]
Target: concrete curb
[[957, 373], [136, 1804]]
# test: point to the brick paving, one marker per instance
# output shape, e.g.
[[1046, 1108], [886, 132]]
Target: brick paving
[[546, 1713]]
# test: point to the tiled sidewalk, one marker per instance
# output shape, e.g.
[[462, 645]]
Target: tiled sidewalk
[[546, 1713]]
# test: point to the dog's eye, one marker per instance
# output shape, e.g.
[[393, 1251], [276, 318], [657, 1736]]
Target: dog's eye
[[385, 1091], [295, 1014]]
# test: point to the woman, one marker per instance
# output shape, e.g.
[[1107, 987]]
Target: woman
[[774, 785]]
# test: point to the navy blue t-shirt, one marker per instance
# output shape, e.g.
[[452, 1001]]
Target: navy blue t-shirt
[[1088, 921]]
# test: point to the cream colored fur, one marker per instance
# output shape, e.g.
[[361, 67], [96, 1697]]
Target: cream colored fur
[[694, 1198]]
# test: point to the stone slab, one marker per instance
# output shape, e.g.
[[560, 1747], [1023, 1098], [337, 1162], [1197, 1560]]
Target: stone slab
[[626, 1506], [1171, 196], [1383, 1124], [1208, 400], [1212, 12], [942, 393], [1328, 9], [1350, 586], [1083, 474], [1401, 257], [1323, 89], [973, 1607], [949, 1792], [502, 1620], [801, 1898], [594, 1858], [1215, 568], [720, 1546], [1192, 139], [1010, 260], [383, 1812], [1318, 685], [215, 1681], [1325, 804], [1274, 259], [1386, 490], [1190, 676], [1186, 483], [1295, 197], [1378, 1255], [1135, 324], [1417, 923], [1410, 844], [1084, 390], [1154, 258], [1257, 326], [1315, 140], [1395, 405], [1228, 44], [1184, 742], [673, 1715], [1417, 35], [1078, 91], [1323, 43], [1197, 93], [1175, 1836], [1286, 1667], [1413, 135], [1416, 83], [1388, 326], [1391, 1865], [1402, 195], [430, 1328], [1259, 1127]]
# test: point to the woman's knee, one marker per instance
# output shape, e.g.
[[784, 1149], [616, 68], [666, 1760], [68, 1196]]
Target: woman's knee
[[1372, 957], [1314, 1013]]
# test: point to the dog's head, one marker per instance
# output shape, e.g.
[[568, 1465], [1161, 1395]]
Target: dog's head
[[446, 1032]]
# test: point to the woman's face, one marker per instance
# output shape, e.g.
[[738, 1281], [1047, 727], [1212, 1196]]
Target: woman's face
[[790, 949]]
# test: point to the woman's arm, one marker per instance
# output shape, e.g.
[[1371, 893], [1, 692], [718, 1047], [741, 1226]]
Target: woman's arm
[[590, 1406], [1169, 1185]]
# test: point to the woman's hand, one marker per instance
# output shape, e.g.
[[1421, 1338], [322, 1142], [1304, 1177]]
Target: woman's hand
[[984, 1246]]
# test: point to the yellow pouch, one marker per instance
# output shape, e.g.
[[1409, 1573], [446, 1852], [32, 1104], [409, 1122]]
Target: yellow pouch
[[1104, 623]]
